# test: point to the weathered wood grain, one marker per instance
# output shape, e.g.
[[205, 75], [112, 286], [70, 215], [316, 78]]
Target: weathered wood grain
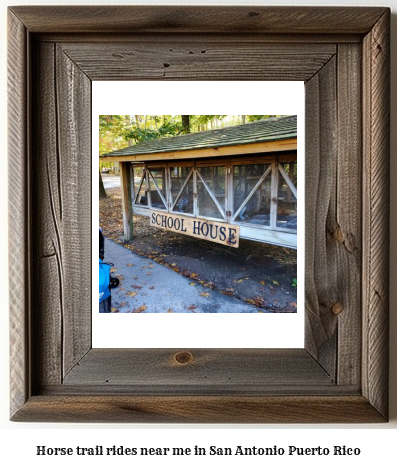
[[73, 108], [320, 180], [61, 289], [48, 252], [19, 224], [199, 19], [140, 59], [199, 409], [246, 369], [347, 226], [50, 205], [376, 114], [330, 40]]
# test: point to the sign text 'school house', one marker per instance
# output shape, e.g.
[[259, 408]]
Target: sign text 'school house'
[[244, 177]]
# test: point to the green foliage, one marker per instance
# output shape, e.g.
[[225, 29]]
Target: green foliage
[[294, 282], [152, 130], [257, 117], [118, 131]]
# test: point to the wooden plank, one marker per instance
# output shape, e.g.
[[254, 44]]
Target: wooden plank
[[207, 229], [376, 114], [258, 234], [168, 60], [48, 282], [320, 186], [199, 369], [73, 177], [61, 198], [327, 43], [199, 409], [274, 196], [18, 204], [347, 227], [126, 195], [275, 146], [269, 236], [198, 19]]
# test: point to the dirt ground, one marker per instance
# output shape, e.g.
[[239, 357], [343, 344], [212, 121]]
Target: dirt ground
[[260, 274]]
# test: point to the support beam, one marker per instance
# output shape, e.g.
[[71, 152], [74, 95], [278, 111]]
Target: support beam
[[126, 195]]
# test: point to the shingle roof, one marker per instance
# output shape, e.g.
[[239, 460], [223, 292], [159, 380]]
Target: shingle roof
[[266, 130]]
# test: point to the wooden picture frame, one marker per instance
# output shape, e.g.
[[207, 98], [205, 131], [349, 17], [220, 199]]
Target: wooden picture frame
[[343, 56]]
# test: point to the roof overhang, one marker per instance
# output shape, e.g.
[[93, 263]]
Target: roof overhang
[[255, 148]]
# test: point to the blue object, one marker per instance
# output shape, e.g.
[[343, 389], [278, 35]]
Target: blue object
[[104, 280]]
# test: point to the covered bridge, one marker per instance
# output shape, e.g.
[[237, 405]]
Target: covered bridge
[[241, 176]]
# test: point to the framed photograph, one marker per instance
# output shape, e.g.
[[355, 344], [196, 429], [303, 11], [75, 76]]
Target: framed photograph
[[226, 188], [342, 56]]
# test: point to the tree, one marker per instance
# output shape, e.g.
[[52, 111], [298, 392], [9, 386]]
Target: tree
[[117, 131], [102, 191], [185, 123]]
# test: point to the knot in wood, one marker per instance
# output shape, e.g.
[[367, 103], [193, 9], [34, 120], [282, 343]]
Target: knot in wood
[[337, 308], [339, 235], [183, 358]]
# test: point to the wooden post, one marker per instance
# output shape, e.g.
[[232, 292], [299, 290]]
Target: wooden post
[[274, 196], [126, 197]]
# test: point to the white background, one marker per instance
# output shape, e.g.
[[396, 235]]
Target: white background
[[222, 330], [18, 441]]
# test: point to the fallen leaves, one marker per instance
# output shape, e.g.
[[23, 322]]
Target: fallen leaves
[[170, 310], [228, 291], [204, 294], [258, 301], [140, 309], [131, 293], [260, 274]]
